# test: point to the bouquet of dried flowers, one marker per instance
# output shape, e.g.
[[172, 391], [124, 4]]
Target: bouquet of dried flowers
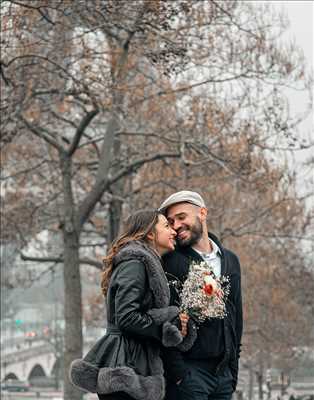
[[203, 295]]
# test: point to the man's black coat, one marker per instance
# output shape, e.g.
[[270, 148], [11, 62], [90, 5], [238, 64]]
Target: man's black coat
[[218, 341]]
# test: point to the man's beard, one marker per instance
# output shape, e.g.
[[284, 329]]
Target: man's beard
[[196, 232]]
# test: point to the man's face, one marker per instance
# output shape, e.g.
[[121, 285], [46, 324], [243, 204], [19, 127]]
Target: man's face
[[186, 220]]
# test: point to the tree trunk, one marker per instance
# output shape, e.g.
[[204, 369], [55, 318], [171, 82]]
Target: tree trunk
[[73, 341], [251, 382], [115, 206], [115, 211], [259, 376], [72, 311]]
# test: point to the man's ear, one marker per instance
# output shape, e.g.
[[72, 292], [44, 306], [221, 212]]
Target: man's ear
[[203, 213]]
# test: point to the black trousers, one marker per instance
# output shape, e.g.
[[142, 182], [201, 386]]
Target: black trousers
[[115, 396], [200, 384]]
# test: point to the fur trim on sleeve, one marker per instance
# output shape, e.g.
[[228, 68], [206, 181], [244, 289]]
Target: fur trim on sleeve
[[190, 338], [171, 336]]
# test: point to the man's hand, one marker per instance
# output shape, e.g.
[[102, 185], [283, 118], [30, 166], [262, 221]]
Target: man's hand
[[184, 318]]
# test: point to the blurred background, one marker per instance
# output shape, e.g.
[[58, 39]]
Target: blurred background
[[109, 106]]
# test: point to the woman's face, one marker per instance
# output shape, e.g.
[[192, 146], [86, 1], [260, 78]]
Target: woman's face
[[163, 236]]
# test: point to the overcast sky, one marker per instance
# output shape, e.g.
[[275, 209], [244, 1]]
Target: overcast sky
[[301, 17], [300, 14]]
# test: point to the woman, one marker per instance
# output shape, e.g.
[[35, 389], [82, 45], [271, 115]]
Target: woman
[[125, 363]]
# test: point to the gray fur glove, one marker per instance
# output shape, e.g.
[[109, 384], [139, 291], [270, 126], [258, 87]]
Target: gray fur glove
[[171, 336], [190, 338]]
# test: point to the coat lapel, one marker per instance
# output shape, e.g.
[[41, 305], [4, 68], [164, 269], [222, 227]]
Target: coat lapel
[[224, 264]]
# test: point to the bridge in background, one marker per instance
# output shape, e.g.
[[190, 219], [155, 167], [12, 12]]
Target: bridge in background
[[32, 356]]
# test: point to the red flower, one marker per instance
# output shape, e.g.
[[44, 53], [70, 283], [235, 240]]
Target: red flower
[[210, 286], [208, 289]]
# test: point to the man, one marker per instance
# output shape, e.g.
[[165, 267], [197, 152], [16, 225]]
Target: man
[[209, 370]]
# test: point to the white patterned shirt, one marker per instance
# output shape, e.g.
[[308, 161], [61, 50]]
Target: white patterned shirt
[[213, 259]]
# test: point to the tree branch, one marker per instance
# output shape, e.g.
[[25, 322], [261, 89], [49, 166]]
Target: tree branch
[[60, 260], [39, 132], [135, 165], [80, 130], [187, 88], [96, 193]]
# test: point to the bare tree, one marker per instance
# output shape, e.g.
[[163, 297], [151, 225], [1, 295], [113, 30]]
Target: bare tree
[[99, 99]]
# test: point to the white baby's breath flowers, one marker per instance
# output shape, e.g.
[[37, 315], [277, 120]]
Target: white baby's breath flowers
[[204, 295]]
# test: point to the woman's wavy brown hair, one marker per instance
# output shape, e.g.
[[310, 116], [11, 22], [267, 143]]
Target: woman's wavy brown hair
[[137, 227]]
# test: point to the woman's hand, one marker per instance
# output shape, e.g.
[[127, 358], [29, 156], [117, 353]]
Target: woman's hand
[[184, 318]]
